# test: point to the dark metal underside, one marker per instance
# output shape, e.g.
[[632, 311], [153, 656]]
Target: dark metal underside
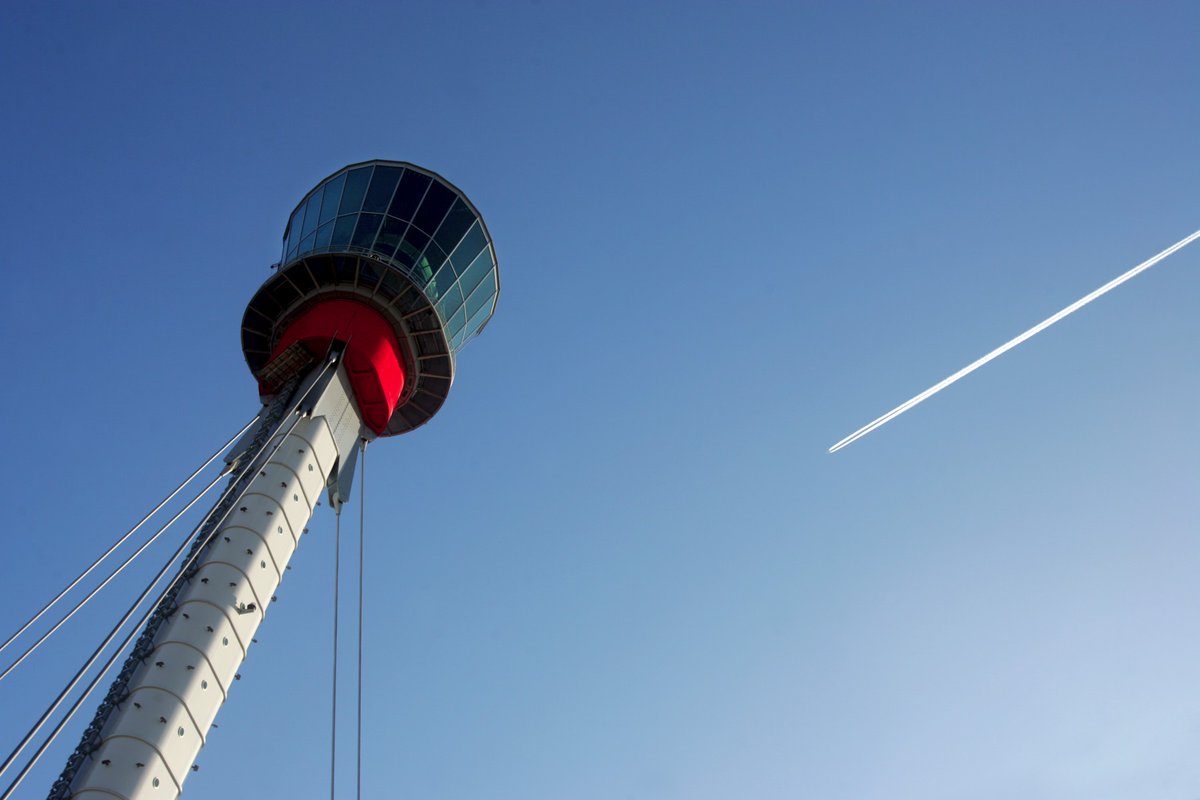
[[428, 363]]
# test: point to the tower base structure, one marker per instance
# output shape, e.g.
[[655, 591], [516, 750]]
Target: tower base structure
[[146, 747]]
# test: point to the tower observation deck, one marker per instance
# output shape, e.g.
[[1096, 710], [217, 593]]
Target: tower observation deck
[[387, 272], [398, 243]]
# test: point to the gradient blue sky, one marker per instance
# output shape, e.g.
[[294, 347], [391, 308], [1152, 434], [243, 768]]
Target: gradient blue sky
[[620, 563]]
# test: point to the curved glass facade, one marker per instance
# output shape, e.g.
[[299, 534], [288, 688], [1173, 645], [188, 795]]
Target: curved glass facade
[[412, 220]]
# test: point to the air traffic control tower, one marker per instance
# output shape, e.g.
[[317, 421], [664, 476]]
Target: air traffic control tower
[[387, 272]]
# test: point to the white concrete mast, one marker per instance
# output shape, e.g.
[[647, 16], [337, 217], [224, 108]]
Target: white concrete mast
[[151, 740]]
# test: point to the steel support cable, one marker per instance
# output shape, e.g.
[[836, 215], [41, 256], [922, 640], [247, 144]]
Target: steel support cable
[[83, 670], [250, 465], [113, 574], [362, 515], [126, 536], [272, 423], [91, 687], [337, 549]]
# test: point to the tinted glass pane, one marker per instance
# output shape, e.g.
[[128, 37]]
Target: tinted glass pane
[[454, 225], [389, 236], [293, 230], [343, 230], [433, 208], [416, 239], [445, 276], [482, 296], [408, 195], [424, 272], [477, 319], [383, 183], [333, 195], [310, 216], [356, 187], [470, 246], [451, 300], [323, 234], [434, 255], [368, 226], [406, 254], [306, 244], [473, 274], [456, 323]]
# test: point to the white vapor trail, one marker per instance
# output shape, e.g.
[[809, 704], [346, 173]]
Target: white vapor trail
[[1009, 345]]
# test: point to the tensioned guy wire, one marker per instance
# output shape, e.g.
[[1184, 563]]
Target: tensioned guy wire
[[78, 676], [362, 516], [112, 575], [127, 534], [250, 465], [337, 550], [1011, 343], [82, 670]]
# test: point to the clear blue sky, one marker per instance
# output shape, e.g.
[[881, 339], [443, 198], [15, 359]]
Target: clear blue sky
[[620, 563]]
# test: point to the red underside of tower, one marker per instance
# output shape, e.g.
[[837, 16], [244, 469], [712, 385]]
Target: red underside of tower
[[371, 355]]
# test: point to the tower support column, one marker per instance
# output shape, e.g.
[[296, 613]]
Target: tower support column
[[150, 741]]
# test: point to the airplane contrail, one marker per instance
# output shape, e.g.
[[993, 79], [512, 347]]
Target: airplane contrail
[[1010, 344]]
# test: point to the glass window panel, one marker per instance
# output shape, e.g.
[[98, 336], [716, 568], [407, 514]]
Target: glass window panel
[[408, 195], [343, 230], [383, 183], [470, 246], [356, 187], [424, 273], [482, 295], [477, 320], [389, 236], [313, 207], [333, 195], [297, 221], [434, 207], [454, 225], [292, 235], [306, 244], [323, 234], [364, 233], [416, 239], [473, 274], [451, 298], [406, 254], [456, 323], [434, 255], [445, 276]]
